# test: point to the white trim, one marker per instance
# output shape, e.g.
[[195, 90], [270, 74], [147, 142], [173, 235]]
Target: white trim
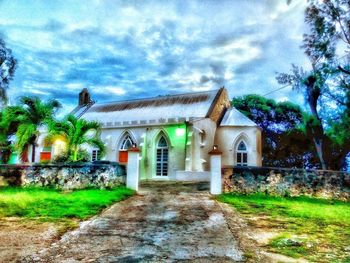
[[126, 140], [242, 136], [157, 135], [122, 136], [242, 152], [164, 172]]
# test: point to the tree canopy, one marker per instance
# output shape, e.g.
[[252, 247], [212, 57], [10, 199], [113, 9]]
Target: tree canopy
[[29, 116], [76, 132], [8, 66], [327, 84], [284, 141]]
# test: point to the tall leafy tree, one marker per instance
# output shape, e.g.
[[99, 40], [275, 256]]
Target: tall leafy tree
[[327, 46], [31, 114], [8, 127], [76, 132], [284, 144], [312, 83], [7, 70]]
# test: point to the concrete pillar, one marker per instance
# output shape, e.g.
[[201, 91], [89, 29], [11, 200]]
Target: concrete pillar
[[133, 169], [215, 171]]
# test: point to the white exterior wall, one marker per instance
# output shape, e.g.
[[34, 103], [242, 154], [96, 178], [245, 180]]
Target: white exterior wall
[[176, 155], [186, 157], [227, 139], [200, 159], [146, 139], [113, 136]]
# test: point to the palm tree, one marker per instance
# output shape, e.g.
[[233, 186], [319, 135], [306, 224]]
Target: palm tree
[[76, 132], [31, 114], [7, 128]]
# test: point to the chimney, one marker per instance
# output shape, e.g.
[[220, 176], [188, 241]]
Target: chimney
[[84, 97]]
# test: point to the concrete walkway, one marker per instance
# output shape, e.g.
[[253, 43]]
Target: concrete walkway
[[165, 222]]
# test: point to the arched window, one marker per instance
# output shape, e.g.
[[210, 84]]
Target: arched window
[[242, 154], [162, 157], [125, 144]]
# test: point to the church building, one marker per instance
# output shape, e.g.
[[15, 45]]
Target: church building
[[174, 133]]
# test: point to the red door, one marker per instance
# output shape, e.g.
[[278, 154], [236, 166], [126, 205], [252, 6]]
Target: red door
[[123, 156]]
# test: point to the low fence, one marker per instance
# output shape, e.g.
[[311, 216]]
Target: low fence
[[293, 182], [64, 176]]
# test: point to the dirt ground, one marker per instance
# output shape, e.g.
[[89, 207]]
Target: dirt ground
[[21, 238], [164, 222], [252, 240]]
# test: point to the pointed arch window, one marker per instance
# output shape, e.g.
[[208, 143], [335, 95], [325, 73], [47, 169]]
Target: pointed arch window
[[242, 154], [162, 157], [125, 144], [162, 143]]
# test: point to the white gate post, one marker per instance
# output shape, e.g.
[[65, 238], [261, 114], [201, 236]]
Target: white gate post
[[215, 171], [133, 168]]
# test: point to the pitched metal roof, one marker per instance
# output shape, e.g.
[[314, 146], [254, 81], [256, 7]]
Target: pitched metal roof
[[234, 117], [162, 109]]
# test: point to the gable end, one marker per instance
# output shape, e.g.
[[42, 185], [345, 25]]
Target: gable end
[[219, 106]]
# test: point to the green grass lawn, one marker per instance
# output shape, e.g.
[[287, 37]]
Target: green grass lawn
[[54, 205], [310, 228]]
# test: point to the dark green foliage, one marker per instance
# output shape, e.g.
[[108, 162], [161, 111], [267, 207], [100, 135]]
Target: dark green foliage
[[5, 133], [9, 122], [30, 115], [8, 66], [76, 132], [269, 114], [328, 83], [24, 120], [285, 144]]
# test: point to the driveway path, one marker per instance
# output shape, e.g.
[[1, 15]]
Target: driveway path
[[165, 222]]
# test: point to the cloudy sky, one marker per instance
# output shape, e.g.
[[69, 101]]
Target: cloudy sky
[[131, 49]]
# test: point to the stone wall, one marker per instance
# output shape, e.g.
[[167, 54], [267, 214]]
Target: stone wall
[[326, 184], [64, 176]]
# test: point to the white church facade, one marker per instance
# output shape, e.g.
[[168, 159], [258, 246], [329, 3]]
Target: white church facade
[[174, 133]]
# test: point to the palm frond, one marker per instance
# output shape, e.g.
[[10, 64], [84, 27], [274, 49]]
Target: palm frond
[[76, 132], [26, 135], [98, 143]]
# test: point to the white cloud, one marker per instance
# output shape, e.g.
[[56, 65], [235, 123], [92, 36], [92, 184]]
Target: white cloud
[[114, 90], [151, 47], [75, 86]]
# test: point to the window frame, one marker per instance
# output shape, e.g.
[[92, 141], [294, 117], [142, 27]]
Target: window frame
[[241, 155], [162, 166], [126, 138], [95, 155], [122, 150]]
